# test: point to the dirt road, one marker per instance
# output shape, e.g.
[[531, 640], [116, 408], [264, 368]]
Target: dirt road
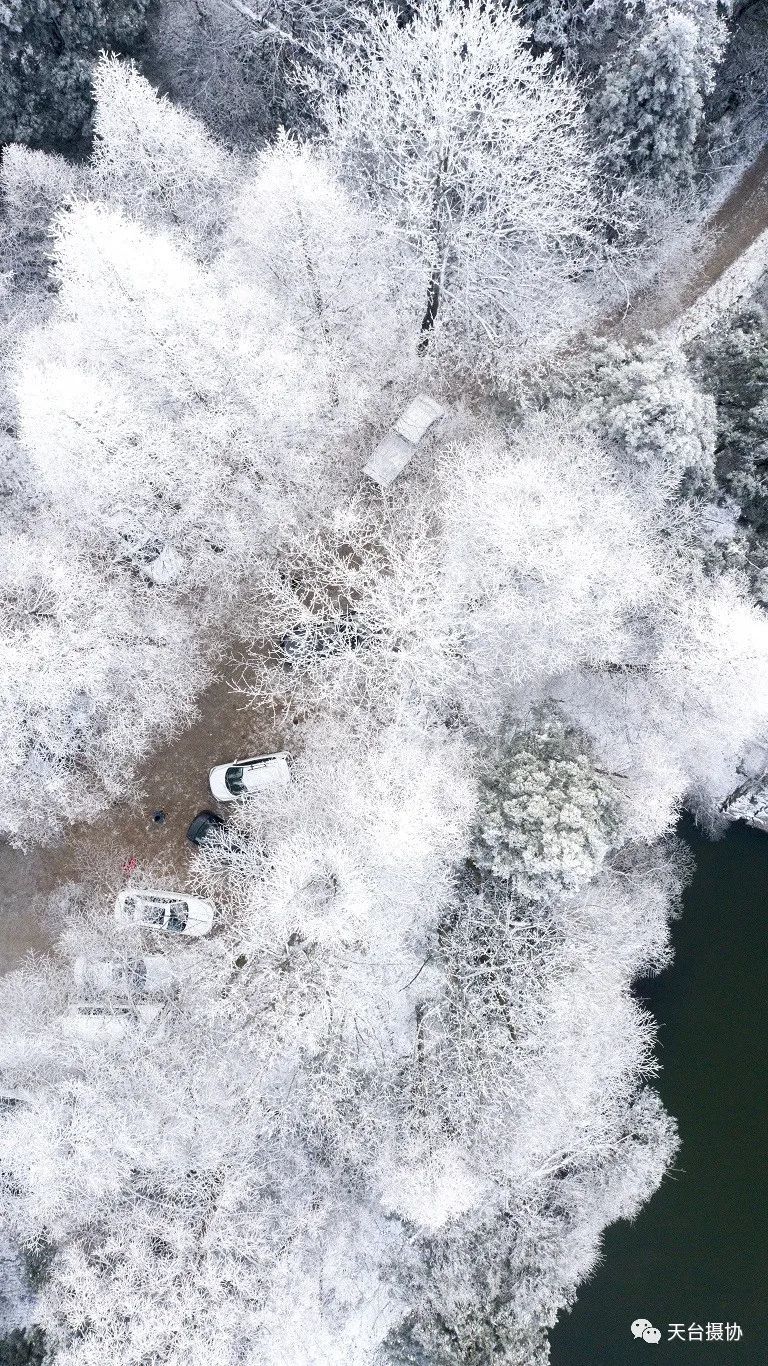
[[739, 221], [174, 778]]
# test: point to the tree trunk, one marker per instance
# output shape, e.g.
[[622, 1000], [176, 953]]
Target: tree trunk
[[430, 312], [436, 278]]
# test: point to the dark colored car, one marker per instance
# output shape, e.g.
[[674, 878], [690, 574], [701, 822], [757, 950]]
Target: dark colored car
[[205, 824]]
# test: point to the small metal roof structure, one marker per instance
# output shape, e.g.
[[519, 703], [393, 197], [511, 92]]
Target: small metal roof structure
[[399, 445]]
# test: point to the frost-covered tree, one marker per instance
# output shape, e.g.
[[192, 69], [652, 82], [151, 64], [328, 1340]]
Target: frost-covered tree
[[546, 819], [94, 671], [734, 368], [157, 163], [35, 187], [498, 566], [648, 67], [234, 65], [126, 396], [48, 50], [473, 150], [645, 403], [344, 290], [673, 723], [649, 107]]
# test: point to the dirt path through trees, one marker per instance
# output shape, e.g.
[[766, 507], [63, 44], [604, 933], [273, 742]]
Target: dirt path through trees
[[739, 221], [174, 778]]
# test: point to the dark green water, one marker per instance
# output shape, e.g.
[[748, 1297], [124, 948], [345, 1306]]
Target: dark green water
[[696, 1254]]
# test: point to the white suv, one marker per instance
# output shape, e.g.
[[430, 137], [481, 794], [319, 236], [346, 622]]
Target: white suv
[[246, 776], [148, 976], [174, 912]]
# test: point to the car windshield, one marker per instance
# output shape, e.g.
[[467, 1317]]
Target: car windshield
[[154, 912], [178, 917], [234, 780]]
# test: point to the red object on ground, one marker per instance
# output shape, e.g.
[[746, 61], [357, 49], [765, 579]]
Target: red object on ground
[[130, 866]]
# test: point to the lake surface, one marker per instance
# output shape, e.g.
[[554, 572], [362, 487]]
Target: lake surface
[[697, 1252]]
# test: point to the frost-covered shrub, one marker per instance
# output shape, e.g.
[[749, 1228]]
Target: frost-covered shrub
[[646, 404], [546, 820]]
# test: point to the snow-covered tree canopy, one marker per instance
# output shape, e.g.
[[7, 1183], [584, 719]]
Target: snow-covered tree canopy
[[474, 151], [382, 1113], [198, 386]]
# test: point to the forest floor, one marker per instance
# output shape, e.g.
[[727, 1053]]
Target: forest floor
[[174, 778]]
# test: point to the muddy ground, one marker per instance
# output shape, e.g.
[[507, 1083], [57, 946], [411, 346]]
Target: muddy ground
[[174, 779]]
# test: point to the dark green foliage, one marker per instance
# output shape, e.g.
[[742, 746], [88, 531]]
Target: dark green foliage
[[23, 1347], [47, 49], [734, 368]]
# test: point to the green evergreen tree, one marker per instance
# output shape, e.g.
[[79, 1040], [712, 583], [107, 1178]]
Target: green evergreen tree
[[546, 819]]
